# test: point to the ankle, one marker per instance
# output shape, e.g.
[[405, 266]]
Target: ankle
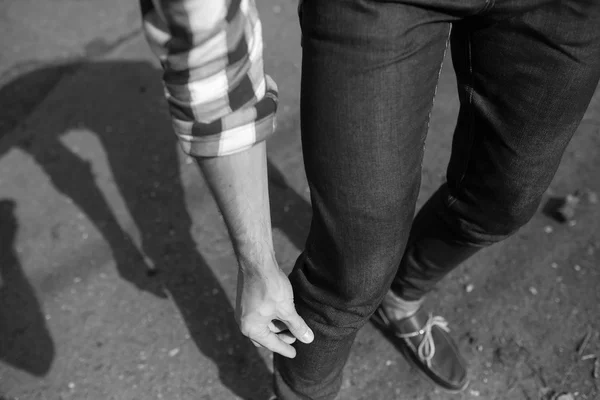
[[397, 308]]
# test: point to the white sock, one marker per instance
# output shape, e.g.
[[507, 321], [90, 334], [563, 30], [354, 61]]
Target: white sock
[[397, 308]]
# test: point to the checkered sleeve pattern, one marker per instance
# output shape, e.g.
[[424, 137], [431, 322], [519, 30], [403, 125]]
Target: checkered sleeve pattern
[[220, 100]]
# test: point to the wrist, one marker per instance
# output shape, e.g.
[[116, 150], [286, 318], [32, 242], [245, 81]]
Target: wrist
[[256, 257]]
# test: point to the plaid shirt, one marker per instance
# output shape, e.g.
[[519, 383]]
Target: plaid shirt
[[220, 99]]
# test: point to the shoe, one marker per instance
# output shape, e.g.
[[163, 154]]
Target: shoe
[[424, 341]]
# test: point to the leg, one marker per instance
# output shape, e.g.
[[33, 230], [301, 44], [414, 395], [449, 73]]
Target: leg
[[524, 83], [368, 79]]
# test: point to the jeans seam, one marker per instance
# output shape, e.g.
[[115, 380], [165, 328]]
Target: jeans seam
[[471, 114], [488, 5], [437, 83]]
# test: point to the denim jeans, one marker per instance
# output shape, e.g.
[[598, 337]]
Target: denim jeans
[[526, 71]]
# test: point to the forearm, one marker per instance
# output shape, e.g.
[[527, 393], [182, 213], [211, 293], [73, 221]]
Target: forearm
[[240, 187], [222, 106]]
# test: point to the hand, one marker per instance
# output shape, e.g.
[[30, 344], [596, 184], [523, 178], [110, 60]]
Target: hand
[[265, 310]]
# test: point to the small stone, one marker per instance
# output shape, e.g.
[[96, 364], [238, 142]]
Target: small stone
[[577, 267], [480, 348], [71, 385], [572, 223], [488, 364], [469, 288], [388, 363], [346, 383], [566, 211], [565, 396], [554, 265], [77, 280], [548, 229], [475, 393], [174, 352], [47, 317], [533, 291]]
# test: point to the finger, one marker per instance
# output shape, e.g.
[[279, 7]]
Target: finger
[[298, 327], [255, 343], [287, 337], [272, 342]]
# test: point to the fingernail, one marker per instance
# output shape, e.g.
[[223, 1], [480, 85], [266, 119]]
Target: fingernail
[[308, 337]]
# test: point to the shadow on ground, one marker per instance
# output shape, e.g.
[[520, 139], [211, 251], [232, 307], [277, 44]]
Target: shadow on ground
[[143, 158], [25, 341]]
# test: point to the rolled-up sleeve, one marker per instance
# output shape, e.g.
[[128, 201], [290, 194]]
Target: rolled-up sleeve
[[220, 100]]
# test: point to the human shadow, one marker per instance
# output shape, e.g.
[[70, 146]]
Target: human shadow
[[25, 340], [290, 212], [121, 104]]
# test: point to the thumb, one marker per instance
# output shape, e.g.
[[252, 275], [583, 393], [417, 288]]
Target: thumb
[[298, 327]]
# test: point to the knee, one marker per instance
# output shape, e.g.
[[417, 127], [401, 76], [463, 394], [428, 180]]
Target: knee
[[497, 220], [344, 296]]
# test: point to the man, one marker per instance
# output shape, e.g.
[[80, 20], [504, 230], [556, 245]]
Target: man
[[526, 71]]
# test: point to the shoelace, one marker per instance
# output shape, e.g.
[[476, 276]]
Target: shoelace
[[426, 349]]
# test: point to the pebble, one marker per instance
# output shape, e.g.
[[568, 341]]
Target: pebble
[[565, 396], [71, 385], [554, 265], [533, 290], [548, 229], [388, 363], [174, 352], [480, 348], [475, 393], [572, 223], [469, 288], [577, 267]]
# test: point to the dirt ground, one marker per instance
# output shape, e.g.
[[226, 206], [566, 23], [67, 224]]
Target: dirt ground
[[94, 192]]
